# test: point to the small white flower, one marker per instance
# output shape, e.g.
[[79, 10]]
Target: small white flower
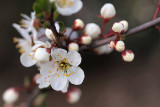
[[73, 95], [112, 44], [104, 49], [29, 59], [118, 27], [92, 30], [120, 46], [128, 55], [86, 40], [28, 22], [108, 11], [78, 24], [60, 70], [73, 47], [50, 34], [68, 7], [125, 24], [10, 96]]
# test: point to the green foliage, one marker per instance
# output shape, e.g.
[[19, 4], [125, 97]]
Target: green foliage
[[56, 14], [62, 26]]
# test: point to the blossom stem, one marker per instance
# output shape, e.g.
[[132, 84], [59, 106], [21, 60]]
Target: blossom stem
[[103, 26], [109, 34], [70, 34], [156, 13]]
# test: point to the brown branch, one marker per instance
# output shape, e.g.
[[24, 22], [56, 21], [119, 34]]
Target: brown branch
[[135, 30]]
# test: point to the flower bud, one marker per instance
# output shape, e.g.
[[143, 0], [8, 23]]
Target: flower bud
[[78, 24], [108, 11], [86, 40], [120, 46], [10, 96], [73, 95], [49, 34], [117, 27], [125, 25], [41, 55], [112, 44], [92, 30], [127, 55], [104, 49], [73, 47]]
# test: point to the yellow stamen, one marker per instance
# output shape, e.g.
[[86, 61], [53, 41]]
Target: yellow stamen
[[38, 69], [53, 65], [15, 40], [21, 51], [49, 71]]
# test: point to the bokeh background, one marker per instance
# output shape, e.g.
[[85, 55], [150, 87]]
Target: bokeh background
[[109, 81]]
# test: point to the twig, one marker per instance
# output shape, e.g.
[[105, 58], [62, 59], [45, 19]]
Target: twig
[[135, 30]]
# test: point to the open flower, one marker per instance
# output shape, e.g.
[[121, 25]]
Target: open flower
[[68, 7], [60, 70]]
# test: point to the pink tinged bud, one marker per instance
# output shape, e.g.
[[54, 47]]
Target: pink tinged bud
[[120, 46], [78, 24], [127, 55], [86, 40], [108, 11], [73, 47], [73, 95], [117, 27], [125, 24], [112, 44], [10, 96]]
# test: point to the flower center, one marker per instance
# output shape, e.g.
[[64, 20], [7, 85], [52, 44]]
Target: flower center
[[64, 3], [64, 65]]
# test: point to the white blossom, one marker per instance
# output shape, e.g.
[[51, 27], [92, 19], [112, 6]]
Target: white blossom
[[10, 96], [118, 27], [68, 7], [92, 30], [86, 40], [50, 34], [108, 11], [128, 55], [78, 24], [60, 70], [125, 24], [104, 49], [112, 44], [120, 46], [73, 47]]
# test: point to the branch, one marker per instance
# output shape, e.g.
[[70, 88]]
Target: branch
[[133, 31]]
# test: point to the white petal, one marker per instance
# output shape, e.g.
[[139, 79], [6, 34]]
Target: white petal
[[74, 58], [34, 33], [65, 89], [44, 81], [48, 68], [77, 77], [77, 5], [57, 27], [25, 16], [27, 60], [59, 54], [58, 83], [23, 32]]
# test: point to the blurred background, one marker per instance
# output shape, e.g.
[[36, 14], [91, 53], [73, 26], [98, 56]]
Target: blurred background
[[109, 81]]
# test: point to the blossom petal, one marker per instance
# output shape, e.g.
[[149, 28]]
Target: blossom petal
[[44, 81], [27, 60], [59, 54], [77, 77], [58, 83], [65, 89], [74, 58]]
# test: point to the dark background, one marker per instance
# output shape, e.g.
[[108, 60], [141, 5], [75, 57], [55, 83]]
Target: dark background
[[109, 81]]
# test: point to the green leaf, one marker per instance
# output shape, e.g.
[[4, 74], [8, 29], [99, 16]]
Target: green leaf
[[56, 14], [62, 26]]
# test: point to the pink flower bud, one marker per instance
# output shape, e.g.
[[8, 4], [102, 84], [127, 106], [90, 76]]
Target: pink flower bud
[[78, 24], [120, 46], [73, 95], [86, 40], [125, 24], [127, 55], [10, 96], [112, 44], [118, 27]]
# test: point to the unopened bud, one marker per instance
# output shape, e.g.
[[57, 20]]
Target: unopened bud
[[127, 55], [49, 34], [118, 27], [108, 11], [125, 25], [78, 24], [92, 30], [86, 40], [120, 46], [73, 95], [41, 55], [112, 44], [10, 96], [73, 47]]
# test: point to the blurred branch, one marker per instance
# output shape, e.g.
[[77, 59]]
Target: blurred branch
[[131, 32]]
